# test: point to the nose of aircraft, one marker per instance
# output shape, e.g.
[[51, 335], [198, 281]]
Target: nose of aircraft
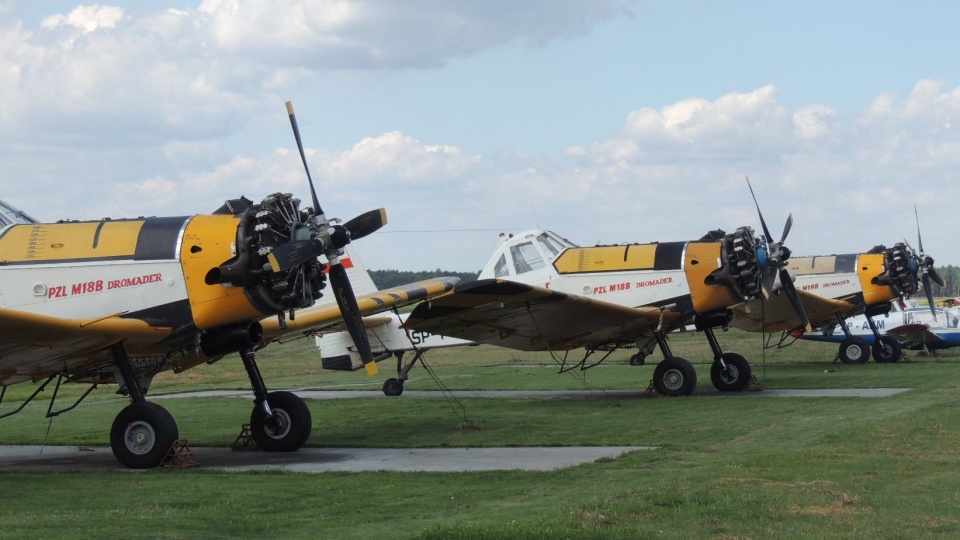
[[777, 254]]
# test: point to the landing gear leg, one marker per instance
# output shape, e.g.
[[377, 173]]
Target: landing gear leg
[[280, 421], [394, 386], [885, 348], [143, 432], [673, 376], [729, 372]]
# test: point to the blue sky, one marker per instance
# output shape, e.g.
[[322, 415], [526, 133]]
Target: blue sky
[[608, 121]]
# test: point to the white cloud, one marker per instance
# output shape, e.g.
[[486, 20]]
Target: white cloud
[[394, 161], [387, 34], [117, 112], [86, 18]]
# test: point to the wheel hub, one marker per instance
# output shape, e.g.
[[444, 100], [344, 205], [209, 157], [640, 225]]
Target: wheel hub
[[140, 438], [673, 379], [278, 426], [729, 374]]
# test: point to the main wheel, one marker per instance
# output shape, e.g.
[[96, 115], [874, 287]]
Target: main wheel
[[638, 359], [674, 377], [142, 434], [854, 350], [392, 387], [288, 429], [887, 350], [732, 378]]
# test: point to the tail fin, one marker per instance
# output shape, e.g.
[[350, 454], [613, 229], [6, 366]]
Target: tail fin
[[359, 276]]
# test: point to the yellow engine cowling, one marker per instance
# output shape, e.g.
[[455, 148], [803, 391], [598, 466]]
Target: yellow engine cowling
[[208, 242]]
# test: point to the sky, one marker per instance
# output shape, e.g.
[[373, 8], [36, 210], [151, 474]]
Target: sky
[[607, 121]]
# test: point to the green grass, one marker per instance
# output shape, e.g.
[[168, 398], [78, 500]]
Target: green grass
[[729, 467]]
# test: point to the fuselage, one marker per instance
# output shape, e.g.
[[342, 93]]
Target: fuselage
[[671, 275], [850, 278], [200, 279]]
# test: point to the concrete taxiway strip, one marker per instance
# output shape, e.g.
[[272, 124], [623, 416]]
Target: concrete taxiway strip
[[548, 394], [317, 460]]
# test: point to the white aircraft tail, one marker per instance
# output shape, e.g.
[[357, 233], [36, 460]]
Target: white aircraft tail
[[360, 280]]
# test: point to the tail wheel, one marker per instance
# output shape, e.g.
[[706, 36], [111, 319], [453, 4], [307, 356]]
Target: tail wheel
[[887, 350], [674, 377], [854, 350], [733, 377], [392, 387], [289, 427], [142, 434]]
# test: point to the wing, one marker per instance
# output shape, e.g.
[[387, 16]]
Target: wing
[[37, 346], [529, 318], [326, 316], [915, 333], [776, 314]]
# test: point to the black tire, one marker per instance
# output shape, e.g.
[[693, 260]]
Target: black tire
[[887, 350], [142, 434], [735, 377], [854, 350], [293, 423], [638, 359], [392, 387], [674, 377]]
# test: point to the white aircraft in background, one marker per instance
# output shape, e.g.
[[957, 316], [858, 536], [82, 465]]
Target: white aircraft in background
[[385, 333], [910, 323]]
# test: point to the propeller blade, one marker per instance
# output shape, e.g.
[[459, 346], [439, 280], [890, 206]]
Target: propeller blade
[[766, 231], [767, 280], [366, 223], [919, 241], [290, 254], [787, 282], [303, 157], [786, 227], [351, 315], [935, 276], [929, 292]]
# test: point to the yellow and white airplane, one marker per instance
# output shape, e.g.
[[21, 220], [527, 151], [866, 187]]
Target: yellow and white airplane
[[833, 288], [541, 292], [120, 300]]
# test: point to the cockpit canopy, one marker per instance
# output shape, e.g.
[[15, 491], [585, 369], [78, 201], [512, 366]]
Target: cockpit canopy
[[525, 252], [11, 216]]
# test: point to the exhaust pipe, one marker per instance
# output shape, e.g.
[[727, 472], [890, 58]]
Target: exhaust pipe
[[229, 339]]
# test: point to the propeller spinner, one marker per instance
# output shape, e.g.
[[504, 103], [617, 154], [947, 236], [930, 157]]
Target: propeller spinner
[[773, 261], [323, 236]]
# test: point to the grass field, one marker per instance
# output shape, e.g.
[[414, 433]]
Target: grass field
[[729, 467]]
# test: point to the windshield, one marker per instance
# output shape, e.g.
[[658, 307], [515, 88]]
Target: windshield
[[10, 215]]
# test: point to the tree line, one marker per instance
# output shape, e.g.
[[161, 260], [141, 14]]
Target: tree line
[[951, 281], [385, 279]]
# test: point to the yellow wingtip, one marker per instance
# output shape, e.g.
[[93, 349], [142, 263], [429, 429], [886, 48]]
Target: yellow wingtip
[[371, 368]]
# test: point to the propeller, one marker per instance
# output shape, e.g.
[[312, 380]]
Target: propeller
[[773, 262], [926, 265], [327, 237]]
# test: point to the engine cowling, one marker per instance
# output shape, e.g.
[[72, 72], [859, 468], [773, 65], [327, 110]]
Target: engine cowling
[[742, 262], [275, 221], [901, 270]]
